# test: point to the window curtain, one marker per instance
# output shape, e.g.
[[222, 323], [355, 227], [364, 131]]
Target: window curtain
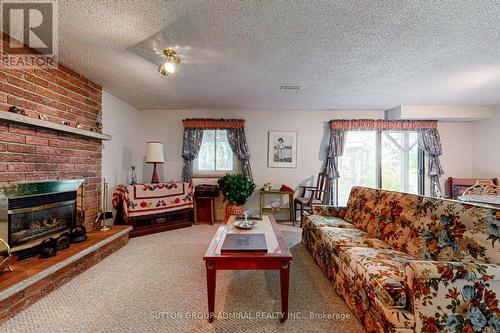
[[238, 143], [335, 149], [430, 142], [235, 135], [190, 148]]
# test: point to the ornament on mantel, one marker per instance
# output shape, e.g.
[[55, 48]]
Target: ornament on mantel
[[17, 109], [98, 127]]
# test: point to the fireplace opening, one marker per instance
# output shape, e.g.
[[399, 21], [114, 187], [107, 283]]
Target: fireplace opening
[[31, 213], [35, 219]]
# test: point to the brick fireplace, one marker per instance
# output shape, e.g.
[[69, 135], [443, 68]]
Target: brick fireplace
[[31, 153]]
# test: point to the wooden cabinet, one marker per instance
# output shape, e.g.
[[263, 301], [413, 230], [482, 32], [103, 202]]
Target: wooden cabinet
[[204, 210]]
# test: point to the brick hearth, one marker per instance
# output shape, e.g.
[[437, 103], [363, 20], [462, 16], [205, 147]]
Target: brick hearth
[[34, 278], [30, 153]]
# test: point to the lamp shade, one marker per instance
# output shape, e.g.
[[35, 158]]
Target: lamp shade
[[155, 152]]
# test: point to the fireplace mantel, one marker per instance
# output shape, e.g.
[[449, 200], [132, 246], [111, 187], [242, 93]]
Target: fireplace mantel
[[25, 120]]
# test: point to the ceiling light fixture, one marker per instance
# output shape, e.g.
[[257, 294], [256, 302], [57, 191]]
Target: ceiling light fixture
[[169, 63]]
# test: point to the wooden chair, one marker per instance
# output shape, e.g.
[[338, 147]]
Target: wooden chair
[[457, 186], [311, 195]]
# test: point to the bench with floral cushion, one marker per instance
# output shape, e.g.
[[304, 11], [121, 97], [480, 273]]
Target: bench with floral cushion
[[406, 263]]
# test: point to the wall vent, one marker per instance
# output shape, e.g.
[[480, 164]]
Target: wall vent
[[290, 88]]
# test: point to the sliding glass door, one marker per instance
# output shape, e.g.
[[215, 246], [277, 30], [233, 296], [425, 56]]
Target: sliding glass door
[[399, 161], [358, 165], [382, 159]]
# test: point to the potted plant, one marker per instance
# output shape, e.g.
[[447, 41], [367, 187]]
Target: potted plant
[[236, 190]]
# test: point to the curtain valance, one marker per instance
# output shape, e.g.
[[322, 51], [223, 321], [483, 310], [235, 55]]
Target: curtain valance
[[381, 125], [207, 123]]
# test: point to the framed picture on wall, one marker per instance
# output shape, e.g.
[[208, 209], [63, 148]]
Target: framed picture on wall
[[282, 150]]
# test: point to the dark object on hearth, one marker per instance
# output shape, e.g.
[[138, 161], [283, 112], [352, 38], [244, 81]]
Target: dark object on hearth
[[17, 109], [286, 188], [48, 248], [78, 234], [206, 191], [62, 242]]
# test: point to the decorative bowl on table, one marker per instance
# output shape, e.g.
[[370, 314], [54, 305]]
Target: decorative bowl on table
[[244, 224]]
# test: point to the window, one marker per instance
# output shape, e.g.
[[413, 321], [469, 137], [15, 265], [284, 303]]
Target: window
[[215, 156], [383, 159]]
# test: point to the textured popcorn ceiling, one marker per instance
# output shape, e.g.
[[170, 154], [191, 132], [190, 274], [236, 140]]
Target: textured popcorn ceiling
[[237, 54]]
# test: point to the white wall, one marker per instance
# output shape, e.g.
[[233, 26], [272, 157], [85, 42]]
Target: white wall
[[120, 120], [486, 151], [166, 126], [456, 160]]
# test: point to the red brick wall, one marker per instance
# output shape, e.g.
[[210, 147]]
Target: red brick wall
[[31, 153]]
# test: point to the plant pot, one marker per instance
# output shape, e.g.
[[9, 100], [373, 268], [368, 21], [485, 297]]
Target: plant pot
[[233, 210]]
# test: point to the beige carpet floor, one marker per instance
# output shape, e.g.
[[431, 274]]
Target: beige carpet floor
[[157, 284]]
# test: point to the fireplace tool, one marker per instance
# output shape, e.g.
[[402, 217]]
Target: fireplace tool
[[104, 213], [7, 258]]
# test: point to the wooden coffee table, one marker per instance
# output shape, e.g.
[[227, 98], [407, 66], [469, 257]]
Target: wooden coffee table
[[278, 257]]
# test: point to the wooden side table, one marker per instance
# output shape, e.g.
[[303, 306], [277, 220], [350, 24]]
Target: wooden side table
[[273, 210]]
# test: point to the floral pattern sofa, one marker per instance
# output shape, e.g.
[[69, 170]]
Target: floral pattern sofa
[[408, 263]]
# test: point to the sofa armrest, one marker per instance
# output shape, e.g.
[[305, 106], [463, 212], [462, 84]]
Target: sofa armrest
[[326, 210]]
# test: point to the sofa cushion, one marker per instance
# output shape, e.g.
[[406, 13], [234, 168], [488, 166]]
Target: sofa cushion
[[326, 210], [319, 221], [360, 207], [386, 215], [383, 269], [452, 231], [335, 238]]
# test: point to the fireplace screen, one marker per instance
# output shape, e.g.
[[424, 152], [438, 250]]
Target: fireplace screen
[[30, 224]]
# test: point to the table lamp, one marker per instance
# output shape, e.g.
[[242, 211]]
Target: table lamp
[[154, 155]]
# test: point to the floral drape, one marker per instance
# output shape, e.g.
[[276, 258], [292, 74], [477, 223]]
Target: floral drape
[[430, 142], [238, 143], [190, 149], [193, 135], [335, 150]]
